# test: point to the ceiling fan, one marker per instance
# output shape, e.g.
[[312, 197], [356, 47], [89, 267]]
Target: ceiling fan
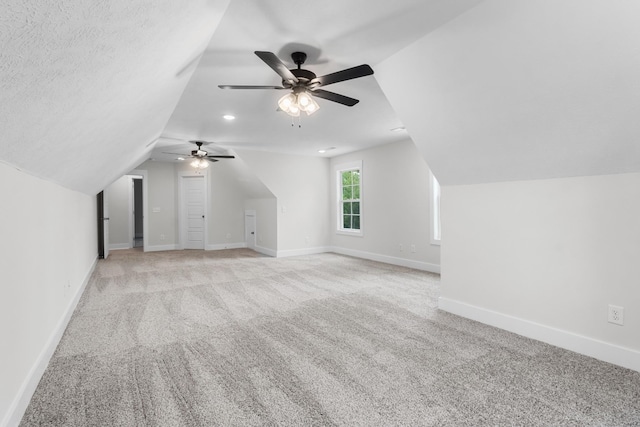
[[304, 84], [201, 156]]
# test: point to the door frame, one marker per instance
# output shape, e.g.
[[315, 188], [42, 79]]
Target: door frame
[[181, 216], [145, 204], [132, 229], [103, 232]]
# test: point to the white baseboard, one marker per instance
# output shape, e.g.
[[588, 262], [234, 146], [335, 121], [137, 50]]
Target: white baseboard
[[303, 251], [403, 262], [117, 246], [220, 246], [158, 248], [266, 251], [621, 356], [214, 247], [24, 395]]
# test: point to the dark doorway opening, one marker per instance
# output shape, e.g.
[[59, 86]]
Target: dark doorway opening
[[138, 230]]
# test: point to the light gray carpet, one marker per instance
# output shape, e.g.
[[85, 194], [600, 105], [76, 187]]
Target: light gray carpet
[[194, 338]]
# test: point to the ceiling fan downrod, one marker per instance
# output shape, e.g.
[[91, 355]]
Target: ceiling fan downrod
[[299, 58]]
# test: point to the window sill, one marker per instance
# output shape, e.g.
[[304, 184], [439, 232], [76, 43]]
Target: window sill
[[349, 233]]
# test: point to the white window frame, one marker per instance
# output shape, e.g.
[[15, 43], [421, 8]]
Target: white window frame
[[435, 223], [338, 176]]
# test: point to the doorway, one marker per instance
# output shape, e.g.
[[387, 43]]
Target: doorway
[[102, 201], [250, 228], [137, 212], [138, 218]]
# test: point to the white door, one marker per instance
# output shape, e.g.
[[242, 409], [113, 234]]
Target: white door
[[193, 211], [250, 229]]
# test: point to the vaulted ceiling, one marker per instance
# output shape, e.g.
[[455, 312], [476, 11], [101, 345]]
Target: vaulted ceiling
[[335, 35], [489, 90], [521, 90]]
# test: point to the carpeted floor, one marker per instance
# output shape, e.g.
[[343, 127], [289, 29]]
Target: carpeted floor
[[231, 338]]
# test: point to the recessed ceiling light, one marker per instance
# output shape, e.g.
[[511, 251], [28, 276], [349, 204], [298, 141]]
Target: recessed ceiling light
[[324, 150], [228, 117], [398, 129]]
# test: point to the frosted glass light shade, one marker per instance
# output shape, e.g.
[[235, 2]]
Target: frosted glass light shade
[[295, 102], [200, 163], [286, 102]]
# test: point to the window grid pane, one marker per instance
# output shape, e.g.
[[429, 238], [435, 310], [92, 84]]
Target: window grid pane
[[350, 199]]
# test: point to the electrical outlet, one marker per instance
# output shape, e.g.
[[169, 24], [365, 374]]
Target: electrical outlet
[[162, 237], [616, 314], [228, 235], [401, 248], [413, 248]]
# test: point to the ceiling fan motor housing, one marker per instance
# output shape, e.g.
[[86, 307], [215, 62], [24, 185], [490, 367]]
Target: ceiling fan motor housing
[[299, 58], [304, 76]]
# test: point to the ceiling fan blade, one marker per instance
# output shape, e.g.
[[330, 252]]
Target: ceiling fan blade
[[212, 160], [249, 87], [221, 156], [340, 76], [335, 97], [177, 154], [272, 61]]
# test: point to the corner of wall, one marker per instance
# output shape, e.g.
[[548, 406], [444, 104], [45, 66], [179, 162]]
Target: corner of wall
[[28, 387]]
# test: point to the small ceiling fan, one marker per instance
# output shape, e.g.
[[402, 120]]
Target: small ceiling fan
[[201, 156], [304, 84]]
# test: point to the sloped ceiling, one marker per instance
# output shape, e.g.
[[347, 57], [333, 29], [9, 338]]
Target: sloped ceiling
[[519, 90], [335, 34], [89, 87], [490, 91], [86, 86]]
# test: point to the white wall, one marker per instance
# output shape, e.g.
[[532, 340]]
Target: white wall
[[518, 90], [162, 205], [545, 258], [300, 184], [395, 207], [119, 194], [48, 250], [226, 206]]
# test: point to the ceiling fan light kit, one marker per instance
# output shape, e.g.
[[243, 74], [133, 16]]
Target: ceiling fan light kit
[[304, 84], [200, 164], [298, 100], [202, 158]]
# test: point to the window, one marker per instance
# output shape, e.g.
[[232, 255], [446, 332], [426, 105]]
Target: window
[[349, 178], [435, 209]]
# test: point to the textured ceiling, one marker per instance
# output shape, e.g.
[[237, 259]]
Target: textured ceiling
[[490, 90], [87, 85]]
